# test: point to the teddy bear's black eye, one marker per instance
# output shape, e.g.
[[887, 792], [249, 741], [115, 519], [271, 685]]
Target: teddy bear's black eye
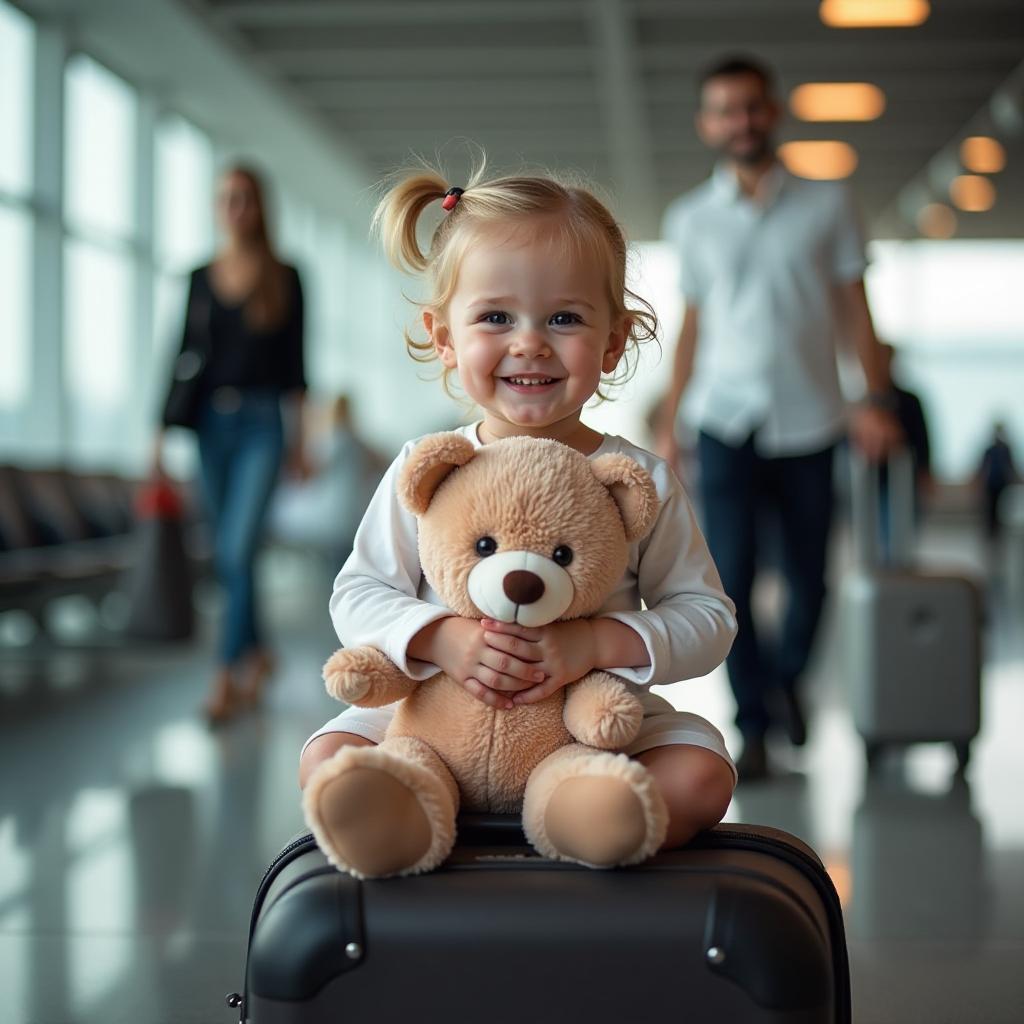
[[562, 555], [486, 546]]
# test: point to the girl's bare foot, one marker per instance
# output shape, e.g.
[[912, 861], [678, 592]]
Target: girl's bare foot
[[222, 702]]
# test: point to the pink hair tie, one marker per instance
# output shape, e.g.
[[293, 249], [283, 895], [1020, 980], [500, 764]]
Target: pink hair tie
[[451, 198]]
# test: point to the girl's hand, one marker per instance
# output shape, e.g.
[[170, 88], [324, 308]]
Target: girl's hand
[[563, 651], [457, 646]]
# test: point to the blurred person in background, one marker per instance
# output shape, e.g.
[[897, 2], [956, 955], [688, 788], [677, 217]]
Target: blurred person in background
[[324, 511], [244, 322], [770, 265], [996, 472], [914, 424]]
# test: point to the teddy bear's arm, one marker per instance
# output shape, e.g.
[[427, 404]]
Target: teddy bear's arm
[[365, 677], [601, 711]]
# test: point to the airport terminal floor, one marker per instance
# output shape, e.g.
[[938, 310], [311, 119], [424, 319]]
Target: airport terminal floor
[[130, 850]]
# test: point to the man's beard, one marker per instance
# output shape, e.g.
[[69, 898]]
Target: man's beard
[[752, 155]]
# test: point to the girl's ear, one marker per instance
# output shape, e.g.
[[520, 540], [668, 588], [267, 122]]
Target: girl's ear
[[429, 463], [616, 344], [632, 489], [441, 338]]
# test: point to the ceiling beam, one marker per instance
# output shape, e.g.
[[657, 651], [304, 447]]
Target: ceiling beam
[[418, 63], [316, 13]]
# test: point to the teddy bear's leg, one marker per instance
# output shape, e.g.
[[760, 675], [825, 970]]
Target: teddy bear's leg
[[385, 810], [601, 711], [593, 807], [365, 676]]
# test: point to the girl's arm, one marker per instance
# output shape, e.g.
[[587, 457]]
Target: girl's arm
[[689, 623], [375, 598]]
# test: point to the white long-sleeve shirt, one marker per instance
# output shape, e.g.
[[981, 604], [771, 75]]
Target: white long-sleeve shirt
[[381, 598]]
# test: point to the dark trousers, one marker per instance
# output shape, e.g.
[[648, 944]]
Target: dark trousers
[[742, 491], [240, 451]]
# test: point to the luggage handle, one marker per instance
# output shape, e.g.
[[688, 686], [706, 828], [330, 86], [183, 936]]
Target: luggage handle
[[866, 509]]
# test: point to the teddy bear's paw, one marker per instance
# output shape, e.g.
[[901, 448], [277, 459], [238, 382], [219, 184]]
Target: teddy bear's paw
[[375, 813], [365, 676], [598, 809], [345, 676], [369, 823], [601, 712]]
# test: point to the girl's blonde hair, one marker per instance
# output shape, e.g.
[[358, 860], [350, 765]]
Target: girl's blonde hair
[[574, 217]]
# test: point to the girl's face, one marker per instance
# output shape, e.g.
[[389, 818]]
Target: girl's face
[[530, 332]]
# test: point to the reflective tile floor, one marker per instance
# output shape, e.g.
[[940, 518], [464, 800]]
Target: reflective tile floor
[[132, 838]]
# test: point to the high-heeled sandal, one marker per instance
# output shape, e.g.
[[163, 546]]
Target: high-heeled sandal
[[222, 705], [259, 668]]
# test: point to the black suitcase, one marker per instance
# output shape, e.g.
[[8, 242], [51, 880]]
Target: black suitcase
[[741, 925]]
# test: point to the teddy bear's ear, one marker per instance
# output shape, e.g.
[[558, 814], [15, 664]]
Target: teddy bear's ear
[[427, 466], [632, 489]]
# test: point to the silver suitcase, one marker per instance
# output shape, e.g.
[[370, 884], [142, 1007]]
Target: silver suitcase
[[911, 640]]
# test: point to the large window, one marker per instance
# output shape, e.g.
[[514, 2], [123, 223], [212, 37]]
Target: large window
[[99, 149], [16, 43], [98, 365], [15, 291], [184, 196], [16, 69], [99, 297]]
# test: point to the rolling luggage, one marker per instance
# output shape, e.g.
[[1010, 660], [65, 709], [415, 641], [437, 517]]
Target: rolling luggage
[[741, 925], [911, 640]]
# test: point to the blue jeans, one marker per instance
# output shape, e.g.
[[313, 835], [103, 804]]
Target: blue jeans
[[241, 442], [742, 490]]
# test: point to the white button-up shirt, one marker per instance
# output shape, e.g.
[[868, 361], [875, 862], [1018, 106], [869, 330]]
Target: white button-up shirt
[[762, 273]]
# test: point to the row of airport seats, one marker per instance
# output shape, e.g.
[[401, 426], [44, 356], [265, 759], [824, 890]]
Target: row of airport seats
[[65, 532]]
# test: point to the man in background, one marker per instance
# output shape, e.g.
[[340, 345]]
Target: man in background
[[771, 266]]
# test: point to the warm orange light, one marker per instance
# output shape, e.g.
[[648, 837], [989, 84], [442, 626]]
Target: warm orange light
[[936, 220], [982, 154], [837, 101], [823, 159], [973, 193], [873, 13]]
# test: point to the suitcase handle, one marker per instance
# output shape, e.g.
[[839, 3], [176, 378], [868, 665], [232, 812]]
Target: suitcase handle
[[866, 508]]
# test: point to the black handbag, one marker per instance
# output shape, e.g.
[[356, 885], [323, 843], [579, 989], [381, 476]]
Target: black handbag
[[181, 409]]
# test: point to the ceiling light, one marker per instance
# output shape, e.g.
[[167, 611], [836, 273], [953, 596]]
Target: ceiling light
[[936, 220], [982, 154], [823, 159], [837, 101], [973, 193], [873, 13]]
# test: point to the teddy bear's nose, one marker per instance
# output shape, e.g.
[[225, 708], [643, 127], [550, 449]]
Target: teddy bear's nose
[[522, 587]]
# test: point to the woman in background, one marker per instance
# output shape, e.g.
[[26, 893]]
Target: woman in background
[[245, 315]]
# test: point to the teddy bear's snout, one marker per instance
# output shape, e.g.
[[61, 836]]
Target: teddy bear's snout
[[522, 587]]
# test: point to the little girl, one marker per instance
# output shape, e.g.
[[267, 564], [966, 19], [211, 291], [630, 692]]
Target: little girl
[[528, 302]]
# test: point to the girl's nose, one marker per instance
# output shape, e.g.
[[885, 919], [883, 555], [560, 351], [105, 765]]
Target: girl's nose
[[529, 341]]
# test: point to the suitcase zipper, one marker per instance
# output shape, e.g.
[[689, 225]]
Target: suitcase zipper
[[297, 846]]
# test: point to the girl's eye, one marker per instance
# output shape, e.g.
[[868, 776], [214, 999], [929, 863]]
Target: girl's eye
[[486, 546], [562, 555], [566, 319], [498, 319]]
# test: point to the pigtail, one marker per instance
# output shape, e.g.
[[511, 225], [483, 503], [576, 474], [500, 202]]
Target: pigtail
[[398, 213]]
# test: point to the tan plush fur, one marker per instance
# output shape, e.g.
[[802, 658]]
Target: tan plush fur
[[579, 761], [528, 495]]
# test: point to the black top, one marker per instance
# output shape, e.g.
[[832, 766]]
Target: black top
[[236, 354], [911, 416]]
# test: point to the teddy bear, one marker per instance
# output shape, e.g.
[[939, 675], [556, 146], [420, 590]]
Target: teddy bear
[[522, 530]]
